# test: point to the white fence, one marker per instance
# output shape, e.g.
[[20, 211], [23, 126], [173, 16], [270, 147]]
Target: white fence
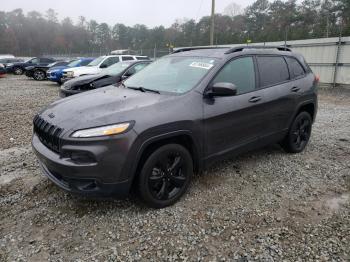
[[328, 57]]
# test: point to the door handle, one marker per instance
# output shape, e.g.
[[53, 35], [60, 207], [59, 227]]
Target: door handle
[[255, 99], [295, 89]]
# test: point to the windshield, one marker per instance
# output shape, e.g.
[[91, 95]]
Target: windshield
[[74, 63], [116, 68], [97, 61], [172, 74]]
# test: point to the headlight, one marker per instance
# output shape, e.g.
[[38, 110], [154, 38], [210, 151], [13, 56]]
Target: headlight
[[102, 131], [9, 65], [70, 73]]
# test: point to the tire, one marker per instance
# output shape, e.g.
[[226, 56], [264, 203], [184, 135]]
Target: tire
[[165, 176], [299, 134], [39, 75], [18, 71]]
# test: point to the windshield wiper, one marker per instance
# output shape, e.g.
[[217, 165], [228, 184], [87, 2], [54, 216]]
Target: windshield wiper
[[142, 89]]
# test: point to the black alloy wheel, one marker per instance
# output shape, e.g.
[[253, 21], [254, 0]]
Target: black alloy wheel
[[165, 175], [39, 75], [299, 133]]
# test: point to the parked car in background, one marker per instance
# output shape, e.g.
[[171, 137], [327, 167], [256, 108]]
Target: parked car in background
[[95, 66], [109, 76], [38, 72], [7, 61], [6, 56], [55, 73], [177, 116], [2, 70], [18, 68]]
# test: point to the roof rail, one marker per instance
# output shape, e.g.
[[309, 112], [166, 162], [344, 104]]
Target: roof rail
[[241, 48], [186, 49]]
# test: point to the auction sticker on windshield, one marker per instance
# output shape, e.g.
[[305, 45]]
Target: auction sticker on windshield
[[202, 65]]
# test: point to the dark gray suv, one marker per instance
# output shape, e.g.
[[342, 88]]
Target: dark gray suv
[[174, 118]]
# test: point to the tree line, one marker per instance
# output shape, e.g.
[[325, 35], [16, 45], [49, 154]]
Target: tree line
[[35, 33]]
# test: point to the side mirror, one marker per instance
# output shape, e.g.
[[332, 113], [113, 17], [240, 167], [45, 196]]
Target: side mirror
[[103, 66], [222, 89]]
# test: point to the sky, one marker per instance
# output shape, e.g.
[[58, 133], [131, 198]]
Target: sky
[[129, 12]]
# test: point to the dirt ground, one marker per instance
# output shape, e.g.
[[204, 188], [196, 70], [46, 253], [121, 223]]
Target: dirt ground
[[264, 205]]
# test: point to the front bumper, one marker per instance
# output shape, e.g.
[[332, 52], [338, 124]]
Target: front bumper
[[101, 176], [54, 77]]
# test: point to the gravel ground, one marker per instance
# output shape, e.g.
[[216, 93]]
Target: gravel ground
[[265, 205]]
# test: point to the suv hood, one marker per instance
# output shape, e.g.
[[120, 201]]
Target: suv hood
[[103, 106]]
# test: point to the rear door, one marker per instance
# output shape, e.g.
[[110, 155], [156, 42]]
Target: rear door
[[232, 122], [274, 80]]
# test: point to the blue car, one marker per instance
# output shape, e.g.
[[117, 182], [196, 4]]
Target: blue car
[[54, 74]]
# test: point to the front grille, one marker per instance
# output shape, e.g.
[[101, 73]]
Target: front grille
[[48, 134]]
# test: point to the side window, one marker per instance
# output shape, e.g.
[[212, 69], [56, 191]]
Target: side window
[[272, 70], [127, 58], [295, 69], [110, 61], [85, 62], [45, 60], [142, 58], [239, 72], [34, 61]]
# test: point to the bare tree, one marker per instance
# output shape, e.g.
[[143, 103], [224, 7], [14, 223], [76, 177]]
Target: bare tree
[[233, 10]]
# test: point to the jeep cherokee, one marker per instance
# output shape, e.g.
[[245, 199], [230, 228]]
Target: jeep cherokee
[[175, 117]]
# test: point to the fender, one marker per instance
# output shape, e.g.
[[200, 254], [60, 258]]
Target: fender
[[154, 139]]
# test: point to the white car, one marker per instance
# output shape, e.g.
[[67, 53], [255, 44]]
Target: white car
[[97, 65]]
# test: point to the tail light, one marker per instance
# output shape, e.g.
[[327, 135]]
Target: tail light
[[317, 79]]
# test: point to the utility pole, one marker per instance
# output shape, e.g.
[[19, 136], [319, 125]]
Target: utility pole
[[212, 22]]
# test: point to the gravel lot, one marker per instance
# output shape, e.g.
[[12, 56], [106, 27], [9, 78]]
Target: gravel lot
[[265, 205]]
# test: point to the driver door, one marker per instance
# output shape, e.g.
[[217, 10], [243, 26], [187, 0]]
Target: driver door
[[236, 121]]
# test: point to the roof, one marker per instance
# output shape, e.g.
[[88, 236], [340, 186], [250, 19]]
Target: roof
[[222, 52]]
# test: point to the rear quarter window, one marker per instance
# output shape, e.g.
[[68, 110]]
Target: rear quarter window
[[272, 70], [295, 68]]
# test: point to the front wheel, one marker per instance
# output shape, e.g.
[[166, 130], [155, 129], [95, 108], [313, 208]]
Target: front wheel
[[18, 71], [165, 176], [39, 75], [299, 134]]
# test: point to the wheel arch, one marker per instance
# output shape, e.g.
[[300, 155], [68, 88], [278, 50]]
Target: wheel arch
[[308, 107], [184, 138]]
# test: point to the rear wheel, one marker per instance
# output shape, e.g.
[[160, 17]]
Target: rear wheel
[[39, 75], [165, 176], [18, 71], [299, 133]]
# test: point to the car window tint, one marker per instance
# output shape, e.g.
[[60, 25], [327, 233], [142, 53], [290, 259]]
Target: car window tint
[[239, 72], [272, 70], [110, 61], [126, 58], [295, 68]]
